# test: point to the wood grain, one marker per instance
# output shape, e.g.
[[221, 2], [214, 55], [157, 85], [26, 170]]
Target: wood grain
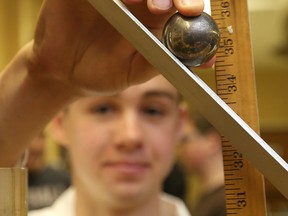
[[13, 191]]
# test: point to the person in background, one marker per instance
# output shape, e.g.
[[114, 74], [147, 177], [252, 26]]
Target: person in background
[[201, 157], [45, 183]]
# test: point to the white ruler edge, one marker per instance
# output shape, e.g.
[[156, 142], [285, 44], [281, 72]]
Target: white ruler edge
[[207, 102], [207, 6]]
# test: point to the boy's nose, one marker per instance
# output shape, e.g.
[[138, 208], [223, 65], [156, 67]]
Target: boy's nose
[[130, 136]]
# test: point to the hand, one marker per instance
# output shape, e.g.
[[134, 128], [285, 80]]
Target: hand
[[78, 48]]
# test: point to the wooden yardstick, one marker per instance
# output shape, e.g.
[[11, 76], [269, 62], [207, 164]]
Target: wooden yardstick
[[235, 84]]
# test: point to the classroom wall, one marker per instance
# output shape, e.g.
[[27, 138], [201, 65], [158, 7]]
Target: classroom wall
[[17, 22]]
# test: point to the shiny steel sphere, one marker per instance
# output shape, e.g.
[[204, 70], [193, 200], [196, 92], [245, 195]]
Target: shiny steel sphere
[[193, 40]]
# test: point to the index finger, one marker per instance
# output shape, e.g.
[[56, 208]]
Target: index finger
[[185, 7]]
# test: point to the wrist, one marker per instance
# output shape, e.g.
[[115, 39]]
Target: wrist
[[28, 102], [45, 76]]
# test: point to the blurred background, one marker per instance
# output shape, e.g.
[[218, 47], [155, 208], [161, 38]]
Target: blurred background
[[269, 30]]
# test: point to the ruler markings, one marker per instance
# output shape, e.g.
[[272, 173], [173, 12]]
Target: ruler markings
[[229, 88]]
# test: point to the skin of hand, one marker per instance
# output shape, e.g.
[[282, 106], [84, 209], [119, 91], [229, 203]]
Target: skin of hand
[[77, 47]]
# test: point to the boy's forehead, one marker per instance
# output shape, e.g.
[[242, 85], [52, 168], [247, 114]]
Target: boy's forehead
[[158, 82], [156, 87]]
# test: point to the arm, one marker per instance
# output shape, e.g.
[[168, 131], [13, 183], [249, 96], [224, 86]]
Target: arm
[[26, 105]]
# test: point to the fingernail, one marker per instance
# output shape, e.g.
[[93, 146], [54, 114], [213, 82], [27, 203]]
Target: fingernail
[[162, 4], [188, 2]]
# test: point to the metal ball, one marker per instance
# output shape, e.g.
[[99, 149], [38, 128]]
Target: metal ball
[[193, 40]]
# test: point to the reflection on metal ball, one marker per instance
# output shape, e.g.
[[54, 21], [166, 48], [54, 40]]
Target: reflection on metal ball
[[193, 40]]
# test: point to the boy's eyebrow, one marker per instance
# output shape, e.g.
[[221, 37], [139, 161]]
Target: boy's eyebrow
[[156, 93], [160, 93]]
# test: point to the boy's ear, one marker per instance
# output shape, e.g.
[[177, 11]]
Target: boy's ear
[[57, 126], [183, 118]]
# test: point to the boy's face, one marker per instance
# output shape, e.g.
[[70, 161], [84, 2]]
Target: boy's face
[[122, 146]]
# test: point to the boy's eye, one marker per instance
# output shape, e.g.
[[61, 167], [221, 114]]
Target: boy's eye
[[152, 111], [102, 109]]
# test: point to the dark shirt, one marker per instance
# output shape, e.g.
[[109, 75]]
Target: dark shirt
[[175, 182], [45, 186], [211, 204]]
